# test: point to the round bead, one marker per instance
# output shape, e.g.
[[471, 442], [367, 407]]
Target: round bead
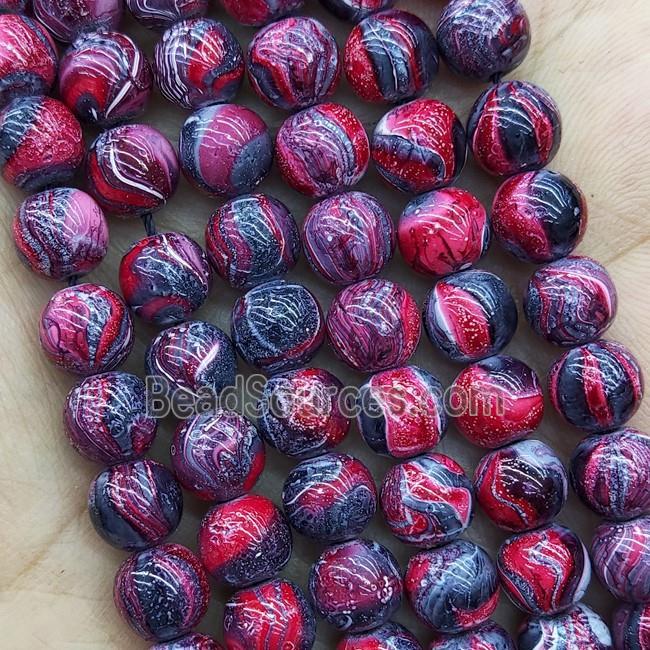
[[165, 278], [217, 456], [443, 602], [192, 641], [322, 150], [260, 12], [28, 58], [544, 571], [579, 627], [294, 63], [391, 57], [356, 10], [106, 418], [356, 586], [571, 301], [198, 62], [135, 505], [401, 412], [487, 636], [444, 231], [252, 239], [522, 486], [374, 325], [497, 401], [161, 14], [390, 636], [419, 146], [300, 413], [277, 326], [162, 593], [470, 315], [621, 557], [86, 329], [427, 501], [41, 143], [60, 233], [514, 127], [611, 474], [539, 216], [330, 498], [596, 387], [191, 358], [105, 78], [66, 19], [348, 238], [244, 541], [483, 39], [225, 150], [132, 170], [275, 614], [631, 626]]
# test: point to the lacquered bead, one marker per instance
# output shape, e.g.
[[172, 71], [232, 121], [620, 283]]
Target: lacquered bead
[[66, 19], [631, 626], [390, 636], [487, 636], [260, 12], [355, 10], [192, 641], [160, 14]]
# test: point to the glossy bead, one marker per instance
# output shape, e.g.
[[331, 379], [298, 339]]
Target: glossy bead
[[275, 614], [621, 558], [252, 239], [300, 413], [544, 571], [514, 127], [86, 329], [390, 636], [260, 12], [105, 78], [191, 358], [160, 14], [348, 238], [596, 387], [41, 144], [330, 498], [198, 62], [631, 626], [443, 602], [571, 301], [487, 636], [427, 501], [244, 541], [355, 10], [162, 592], [356, 586], [277, 326], [443, 231], [132, 170], [225, 150], [28, 58], [165, 278], [579, 627], [373, 325], [483, 39], [522, 486], [391, 57], [497, 401], [419, 146], [611, 474], [470, 315], [294, 63], [401, 412], [322, 150], [135, 505], [106, 418], [192, 641], [66, 19], [217, 456], [539, 216]]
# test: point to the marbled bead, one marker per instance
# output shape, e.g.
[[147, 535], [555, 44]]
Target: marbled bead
[[105, 78], [66, 19], [106, 418], [260, 12], [225, 150], [161, 14], [135, 505], [571, 301], [191, 641], [294, 63], [162, 592], [419, 146], [355, 10], [390, 636], [487, 636], [348, 237], [252, 239], [165, 278], [631, 626]]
